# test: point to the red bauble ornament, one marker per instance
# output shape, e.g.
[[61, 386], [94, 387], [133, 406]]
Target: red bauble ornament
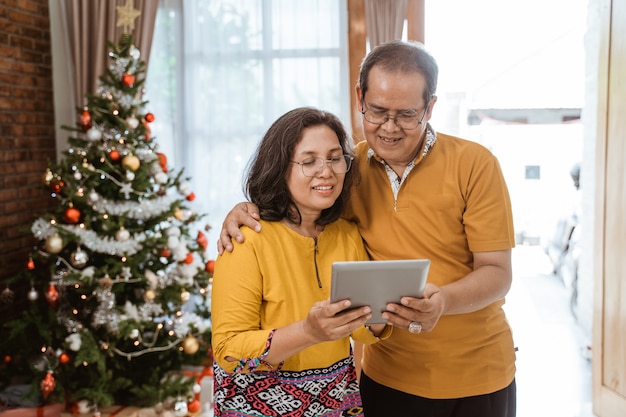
[[194, 406], [149, 117], [57, 186], [114, 155], [71, 215], [191, 197], [162, 161], [47, 385], [202, 240], [30, 264], [52, 295], [210, 266], [188, 258], [128, 79], [85, 119], [7, 358], [166, 252], [64, 358]]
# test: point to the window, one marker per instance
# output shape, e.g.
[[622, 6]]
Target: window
[[221, 71]]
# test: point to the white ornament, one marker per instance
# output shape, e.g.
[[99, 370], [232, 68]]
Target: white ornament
[[179, 252], [122, 235], [93, 134], [74, 341], [155, 168], [173, 231], [160, 178], [180, 408], [77, 175], [88, 272], [172, 242], [83, 406], [134, 53], [130, 175], [132, 122], [151, 277], [93, 196], [33, 294], [184, 188]]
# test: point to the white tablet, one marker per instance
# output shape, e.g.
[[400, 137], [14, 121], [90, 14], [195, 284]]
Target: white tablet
[[377, 283]]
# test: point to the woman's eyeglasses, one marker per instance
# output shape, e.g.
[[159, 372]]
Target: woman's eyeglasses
[[312, 167]]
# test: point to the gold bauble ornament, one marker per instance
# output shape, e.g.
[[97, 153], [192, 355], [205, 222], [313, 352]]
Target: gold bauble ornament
[[149, 295], [54, 244], [105, 282], [190, 345], [131, 162]]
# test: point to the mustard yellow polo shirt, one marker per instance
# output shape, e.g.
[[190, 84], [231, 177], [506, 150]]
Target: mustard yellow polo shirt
[[454, 202]]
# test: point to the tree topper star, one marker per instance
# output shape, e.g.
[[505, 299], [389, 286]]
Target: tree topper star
[[127, 15]]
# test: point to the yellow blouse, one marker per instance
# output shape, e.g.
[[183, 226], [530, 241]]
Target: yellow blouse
[[269, 281]]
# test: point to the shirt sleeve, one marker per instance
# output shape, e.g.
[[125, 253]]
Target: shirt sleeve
[[236, 304], [488, 218]]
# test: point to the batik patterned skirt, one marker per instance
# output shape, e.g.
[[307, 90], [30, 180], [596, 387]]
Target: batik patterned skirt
[[328, 392]]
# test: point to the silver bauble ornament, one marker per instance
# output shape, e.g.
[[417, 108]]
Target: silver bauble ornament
[[79, 258], [7, 296]]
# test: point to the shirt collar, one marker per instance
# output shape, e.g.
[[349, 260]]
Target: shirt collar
[[431, 139]]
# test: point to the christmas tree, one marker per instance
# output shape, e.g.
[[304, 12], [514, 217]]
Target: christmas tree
[[120, 281]]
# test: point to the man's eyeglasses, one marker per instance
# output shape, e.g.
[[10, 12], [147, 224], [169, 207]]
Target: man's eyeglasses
[[406, 121], [312, 167]]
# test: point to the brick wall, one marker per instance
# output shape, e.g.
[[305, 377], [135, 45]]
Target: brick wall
[[27, 130]]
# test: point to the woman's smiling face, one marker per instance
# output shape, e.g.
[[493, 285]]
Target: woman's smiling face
[[314, 194]]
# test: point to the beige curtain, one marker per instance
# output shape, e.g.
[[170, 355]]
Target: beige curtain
[[385, 20], [89, 25]]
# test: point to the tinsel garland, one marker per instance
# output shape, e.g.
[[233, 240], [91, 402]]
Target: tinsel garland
[[142, 210], [42, 229]]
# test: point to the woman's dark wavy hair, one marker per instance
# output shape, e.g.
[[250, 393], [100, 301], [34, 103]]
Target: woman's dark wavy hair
[[404, 57], [265, 182]]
